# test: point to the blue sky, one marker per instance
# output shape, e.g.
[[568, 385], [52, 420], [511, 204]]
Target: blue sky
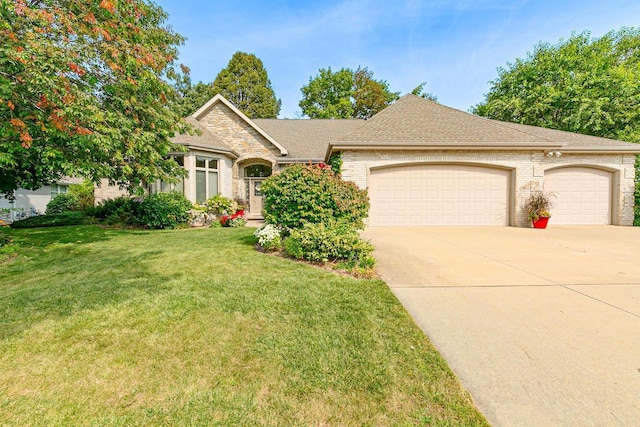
[[455, 46]]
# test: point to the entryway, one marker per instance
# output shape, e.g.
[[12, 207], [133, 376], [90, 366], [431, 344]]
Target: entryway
[[254, 175]]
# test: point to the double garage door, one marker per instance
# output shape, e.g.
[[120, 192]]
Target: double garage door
[[439, 195], [472, 195]]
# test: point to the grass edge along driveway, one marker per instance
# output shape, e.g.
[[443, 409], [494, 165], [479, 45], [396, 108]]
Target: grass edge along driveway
[[195, 327]]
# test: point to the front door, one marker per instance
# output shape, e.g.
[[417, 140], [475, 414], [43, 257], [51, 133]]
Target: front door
[[255, 197], [254, 175]]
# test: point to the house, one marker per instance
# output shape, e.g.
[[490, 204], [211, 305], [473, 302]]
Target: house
[[33, 202], [423, 163]]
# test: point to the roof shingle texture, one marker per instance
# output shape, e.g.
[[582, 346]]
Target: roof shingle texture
[[414, 120], [574, 140], [206, 140], [307, 139]]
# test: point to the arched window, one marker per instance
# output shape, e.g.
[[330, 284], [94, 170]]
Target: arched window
[[257, 171]]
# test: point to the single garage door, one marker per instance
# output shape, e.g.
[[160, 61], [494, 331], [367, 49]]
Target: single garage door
[[583, 195], [439, 195]]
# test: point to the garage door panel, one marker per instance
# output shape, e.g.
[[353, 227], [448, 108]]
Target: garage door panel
[[449, 195], [583, 195]]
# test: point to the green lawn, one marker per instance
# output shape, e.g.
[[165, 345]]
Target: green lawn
[[194, 327]]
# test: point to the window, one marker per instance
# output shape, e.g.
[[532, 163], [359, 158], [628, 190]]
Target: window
[[257, 171], [165, 187], [58, 189], [206, 178]]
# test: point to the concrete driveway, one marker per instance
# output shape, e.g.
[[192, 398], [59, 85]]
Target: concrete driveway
[[541, 326]]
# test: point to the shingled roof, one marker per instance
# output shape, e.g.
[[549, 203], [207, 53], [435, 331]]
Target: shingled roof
[[414, 122], [206, 140], [307, 140], [575, 141]]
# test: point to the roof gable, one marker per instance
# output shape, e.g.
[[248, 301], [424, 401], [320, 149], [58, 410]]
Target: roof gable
[[221, 99]]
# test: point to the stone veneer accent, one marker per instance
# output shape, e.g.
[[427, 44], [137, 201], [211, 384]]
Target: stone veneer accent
[[243, 139], [526, 166]]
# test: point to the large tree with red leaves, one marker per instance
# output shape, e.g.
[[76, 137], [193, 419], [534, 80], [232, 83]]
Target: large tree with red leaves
[[85, 90]]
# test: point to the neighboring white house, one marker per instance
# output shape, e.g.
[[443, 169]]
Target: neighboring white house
[[423, 164], [29, 203]]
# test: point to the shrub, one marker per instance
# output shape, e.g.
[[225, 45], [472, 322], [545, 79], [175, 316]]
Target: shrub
[[63, 203], [269, 237], [121, 210], [221, 205], [235, 220], [328, 242], [52, 220], [84, 194], [4, 239], [314, 194], [164, 210]]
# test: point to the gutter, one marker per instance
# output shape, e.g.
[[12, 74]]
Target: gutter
[[444, 147]]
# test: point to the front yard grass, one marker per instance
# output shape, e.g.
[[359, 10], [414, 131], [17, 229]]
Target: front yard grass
[[194, 327]]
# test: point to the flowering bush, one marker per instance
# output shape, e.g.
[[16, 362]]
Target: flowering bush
[[312, 194], [235, 220], [269, 237], [219, 204]]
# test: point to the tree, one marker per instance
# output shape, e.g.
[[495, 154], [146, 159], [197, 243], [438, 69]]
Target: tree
[[85, 91], [345, 94], [246, 85], [192, 97], [585, 85], [419, 91]]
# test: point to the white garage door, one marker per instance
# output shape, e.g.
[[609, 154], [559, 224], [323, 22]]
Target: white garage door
[[583, 195], [439, 195]]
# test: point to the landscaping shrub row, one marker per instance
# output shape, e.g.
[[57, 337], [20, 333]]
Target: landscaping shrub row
[[52, 220], [312, 214], [157, 210]]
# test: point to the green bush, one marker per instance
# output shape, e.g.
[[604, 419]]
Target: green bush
[[52, 220], [63, 203], [4, 239], [221, 205], [84, 194], [121, 210], [328, 242], [312, 194], [164, 210]]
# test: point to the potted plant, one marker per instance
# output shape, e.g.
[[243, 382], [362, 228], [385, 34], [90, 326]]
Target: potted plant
[[241, 206], [538, 204]]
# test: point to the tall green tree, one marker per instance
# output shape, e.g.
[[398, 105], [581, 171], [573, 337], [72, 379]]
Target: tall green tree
[[192, 96], [84, 90], [345, 94], [246, 85], [419, 91], [584, 84]]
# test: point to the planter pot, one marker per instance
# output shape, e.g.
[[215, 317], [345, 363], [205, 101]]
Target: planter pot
[[541, 222]]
